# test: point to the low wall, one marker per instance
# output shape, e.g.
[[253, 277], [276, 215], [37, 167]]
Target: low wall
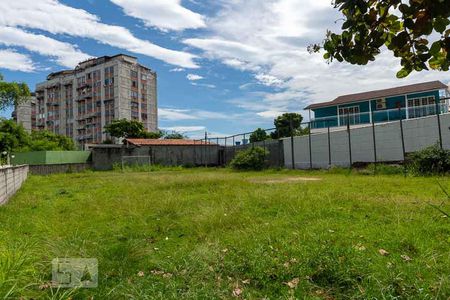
[[104, 157], [11, 179], [418, 134], [51, 157], [59, 168]]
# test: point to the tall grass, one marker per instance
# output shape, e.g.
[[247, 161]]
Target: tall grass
[[212, 233]]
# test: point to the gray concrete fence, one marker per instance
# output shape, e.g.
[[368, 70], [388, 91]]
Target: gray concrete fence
[[11, 179], [105, 157], [58, 168], [340, 147]]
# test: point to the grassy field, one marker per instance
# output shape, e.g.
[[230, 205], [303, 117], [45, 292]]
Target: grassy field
[[218, 234]]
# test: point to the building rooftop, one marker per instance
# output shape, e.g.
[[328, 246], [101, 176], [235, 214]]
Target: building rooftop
[[169, 142], [60, 73], [396, 91]]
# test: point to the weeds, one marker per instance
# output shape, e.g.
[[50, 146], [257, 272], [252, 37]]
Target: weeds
[[218, 234]]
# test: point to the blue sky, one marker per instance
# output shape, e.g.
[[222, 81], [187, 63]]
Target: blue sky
[[226, 66]]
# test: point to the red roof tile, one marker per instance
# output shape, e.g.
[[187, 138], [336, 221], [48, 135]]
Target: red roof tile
[[397, 91], [154, 142]]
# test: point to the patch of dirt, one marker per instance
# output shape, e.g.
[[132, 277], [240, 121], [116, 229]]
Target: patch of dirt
[[283, 179]]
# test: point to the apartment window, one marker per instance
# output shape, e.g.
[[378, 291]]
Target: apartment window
[[133, 83], [419, 107], [134, 73], [109, 70], [133, 94], [350, 113]]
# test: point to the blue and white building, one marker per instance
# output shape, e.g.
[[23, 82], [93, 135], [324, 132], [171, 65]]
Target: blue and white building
[[406, 102]]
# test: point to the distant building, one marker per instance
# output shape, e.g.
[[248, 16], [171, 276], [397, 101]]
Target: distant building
[[406, 102], [24, 113], [79, 103]]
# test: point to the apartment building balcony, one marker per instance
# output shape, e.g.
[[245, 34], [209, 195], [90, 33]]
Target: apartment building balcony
[[91, 114], [53, 102], [84, 96], [84, 85]]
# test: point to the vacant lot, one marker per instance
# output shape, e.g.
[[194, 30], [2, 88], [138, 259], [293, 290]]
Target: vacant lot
[[217, 234]]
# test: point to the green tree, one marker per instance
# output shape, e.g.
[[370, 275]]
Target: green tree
[[174, 136], [129, 129], [283, 125], [151, 135], [12, 93], [47, 141], [417, 31], [258, 135], [13, 137]]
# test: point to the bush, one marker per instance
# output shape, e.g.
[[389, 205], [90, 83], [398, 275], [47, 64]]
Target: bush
[[253, 158], [430, 161]]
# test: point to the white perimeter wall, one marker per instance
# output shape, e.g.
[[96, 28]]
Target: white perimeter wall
[[418, 134], [11, 179]]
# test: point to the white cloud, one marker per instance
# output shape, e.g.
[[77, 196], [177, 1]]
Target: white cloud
[[270, 114], [210, 86], [162, 14], [269, 39], [268, 80], [57, 18], [193, 77], [66, 54], [184, 129], [176, 114], [177, 70], [171, 114], [11, 60]]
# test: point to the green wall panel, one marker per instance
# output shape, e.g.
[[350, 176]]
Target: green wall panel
[[51, 157]]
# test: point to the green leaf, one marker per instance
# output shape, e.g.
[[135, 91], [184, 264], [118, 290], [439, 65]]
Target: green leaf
[[435, 48], [403, 73], [440, 24]]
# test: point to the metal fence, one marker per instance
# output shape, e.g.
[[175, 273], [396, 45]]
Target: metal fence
[[283, 149], [227, 147]]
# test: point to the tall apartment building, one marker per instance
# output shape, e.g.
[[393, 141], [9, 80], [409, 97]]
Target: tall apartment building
[[79, 103], [25, 113]]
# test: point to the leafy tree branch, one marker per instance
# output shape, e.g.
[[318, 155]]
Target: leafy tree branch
[[416, 31]]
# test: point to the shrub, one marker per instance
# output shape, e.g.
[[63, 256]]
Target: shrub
[[253, 158], [429, 161]]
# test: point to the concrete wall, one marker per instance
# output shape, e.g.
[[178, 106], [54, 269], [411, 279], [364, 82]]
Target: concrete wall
[[11, 179], [418, 134], [51, 157], [104, 156], [59, 168]]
